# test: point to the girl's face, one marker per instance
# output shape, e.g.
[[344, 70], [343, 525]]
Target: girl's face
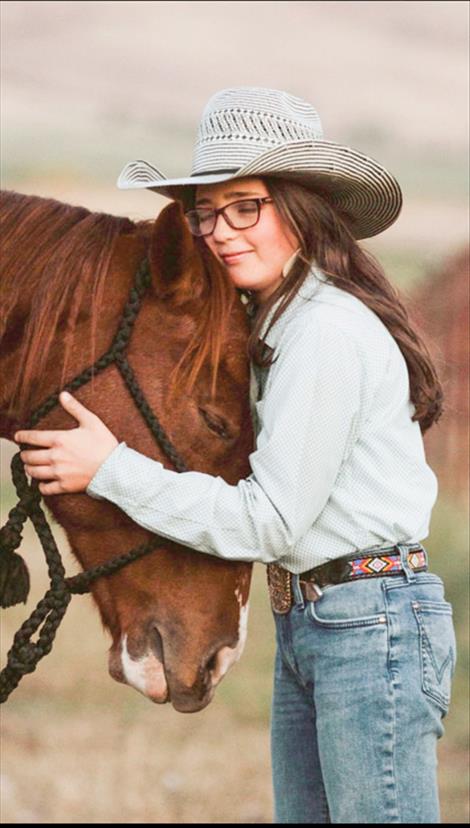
[[256, 256]]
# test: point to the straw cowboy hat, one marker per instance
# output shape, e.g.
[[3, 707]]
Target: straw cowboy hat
[[252, 131]]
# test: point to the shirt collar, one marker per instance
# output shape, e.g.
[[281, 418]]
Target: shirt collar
[[309, 288]]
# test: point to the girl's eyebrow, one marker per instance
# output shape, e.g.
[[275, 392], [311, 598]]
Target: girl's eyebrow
[[232, 194]]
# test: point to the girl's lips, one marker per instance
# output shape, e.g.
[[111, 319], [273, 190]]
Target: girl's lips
[[235, 257]]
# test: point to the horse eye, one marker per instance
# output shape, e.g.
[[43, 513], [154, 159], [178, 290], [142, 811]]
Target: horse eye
[[215, 423]]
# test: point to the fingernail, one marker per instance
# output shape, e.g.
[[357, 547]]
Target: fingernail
[[66, 396]]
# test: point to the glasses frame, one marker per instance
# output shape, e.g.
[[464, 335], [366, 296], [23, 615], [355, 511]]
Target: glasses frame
[[221, 211]]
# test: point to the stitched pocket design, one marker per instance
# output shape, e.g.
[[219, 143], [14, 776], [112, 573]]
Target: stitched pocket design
[[437, 649]]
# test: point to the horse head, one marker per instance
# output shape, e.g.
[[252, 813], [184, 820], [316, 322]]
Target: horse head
[[177, 617]]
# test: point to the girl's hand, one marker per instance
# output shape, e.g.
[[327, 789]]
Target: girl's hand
[[68, 459]]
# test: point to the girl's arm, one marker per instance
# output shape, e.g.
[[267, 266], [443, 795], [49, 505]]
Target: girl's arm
[[309, 423]]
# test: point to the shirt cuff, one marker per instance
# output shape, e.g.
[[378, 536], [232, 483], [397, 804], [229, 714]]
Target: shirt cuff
[[109, 482]]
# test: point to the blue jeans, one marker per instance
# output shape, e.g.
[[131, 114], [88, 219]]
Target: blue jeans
[[362, 682]]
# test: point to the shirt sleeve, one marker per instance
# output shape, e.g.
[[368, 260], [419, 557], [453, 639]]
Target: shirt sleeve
[[309, 415]]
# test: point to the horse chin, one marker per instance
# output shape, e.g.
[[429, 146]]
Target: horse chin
[[202, 692], [185, 701]]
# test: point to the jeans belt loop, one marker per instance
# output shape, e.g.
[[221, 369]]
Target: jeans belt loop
[[297, 592], [403, 548]]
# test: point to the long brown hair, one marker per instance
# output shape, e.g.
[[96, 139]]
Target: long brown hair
[[326, 240]]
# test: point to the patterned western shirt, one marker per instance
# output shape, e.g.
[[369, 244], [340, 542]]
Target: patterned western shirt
[[338, 466]]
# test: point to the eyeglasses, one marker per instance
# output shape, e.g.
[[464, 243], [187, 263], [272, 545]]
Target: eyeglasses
[[238, 214]]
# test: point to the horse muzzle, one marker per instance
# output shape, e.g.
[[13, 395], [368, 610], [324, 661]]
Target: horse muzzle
[[161, 675]]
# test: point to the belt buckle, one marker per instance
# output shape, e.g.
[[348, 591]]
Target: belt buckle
[[280, 588]]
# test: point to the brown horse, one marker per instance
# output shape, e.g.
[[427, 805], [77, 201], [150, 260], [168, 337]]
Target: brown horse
[[177, 617]]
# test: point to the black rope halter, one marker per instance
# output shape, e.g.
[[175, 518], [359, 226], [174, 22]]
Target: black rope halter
[[25, 654]]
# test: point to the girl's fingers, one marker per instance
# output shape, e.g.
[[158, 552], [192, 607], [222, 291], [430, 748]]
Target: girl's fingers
[[37, 438], [51, 488], [82, 414], [40, 472], [36, 457]]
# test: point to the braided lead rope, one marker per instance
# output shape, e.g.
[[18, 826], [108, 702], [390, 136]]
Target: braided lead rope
[[25, 654], [129, 378]]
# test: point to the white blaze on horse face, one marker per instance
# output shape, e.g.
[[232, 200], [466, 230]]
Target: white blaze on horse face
[[146, 674], [229, 655]]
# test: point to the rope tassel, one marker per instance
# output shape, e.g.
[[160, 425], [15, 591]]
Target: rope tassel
[[14, 580]]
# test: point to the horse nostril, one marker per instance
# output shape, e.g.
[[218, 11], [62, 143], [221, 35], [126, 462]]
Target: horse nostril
[[212, 662], [156, 642]]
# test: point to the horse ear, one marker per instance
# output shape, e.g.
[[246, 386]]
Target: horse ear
[[175, 260]]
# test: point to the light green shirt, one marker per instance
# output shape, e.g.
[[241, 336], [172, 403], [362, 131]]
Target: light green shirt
[[338, 466]]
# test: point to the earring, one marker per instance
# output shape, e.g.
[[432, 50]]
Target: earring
[[245, 295]]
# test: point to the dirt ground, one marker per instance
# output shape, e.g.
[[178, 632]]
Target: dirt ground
[[77, 747], [94, 762]]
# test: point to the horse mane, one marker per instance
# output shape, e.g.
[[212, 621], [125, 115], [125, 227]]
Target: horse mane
[[71, 248], [69, 253]]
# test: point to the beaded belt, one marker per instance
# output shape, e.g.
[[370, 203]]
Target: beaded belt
[[372, 564]]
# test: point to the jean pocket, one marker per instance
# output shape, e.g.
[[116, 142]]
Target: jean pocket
[[349, 605], [437, 649]]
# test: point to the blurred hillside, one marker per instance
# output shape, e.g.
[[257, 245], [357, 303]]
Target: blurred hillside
[[88, 86]]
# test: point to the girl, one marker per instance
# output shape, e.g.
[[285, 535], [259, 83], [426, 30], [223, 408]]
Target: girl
[[340, 494]]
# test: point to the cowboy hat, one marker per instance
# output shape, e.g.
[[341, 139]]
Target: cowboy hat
[[253, 131]]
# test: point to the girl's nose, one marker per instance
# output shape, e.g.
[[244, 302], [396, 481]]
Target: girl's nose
[[222, 230]]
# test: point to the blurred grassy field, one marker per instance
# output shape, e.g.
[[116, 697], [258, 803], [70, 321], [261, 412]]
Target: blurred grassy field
[[77, 747]]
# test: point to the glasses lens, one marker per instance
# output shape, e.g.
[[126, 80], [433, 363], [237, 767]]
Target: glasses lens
[[243, 214], [201, 222]]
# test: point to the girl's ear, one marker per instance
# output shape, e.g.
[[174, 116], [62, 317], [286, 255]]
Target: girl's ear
[[179, 273]]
